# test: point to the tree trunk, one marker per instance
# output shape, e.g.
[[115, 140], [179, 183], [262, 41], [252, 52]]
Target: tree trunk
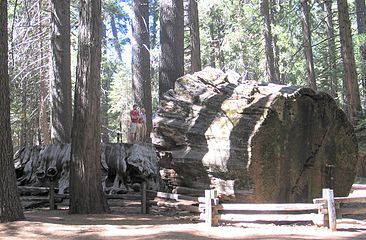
[[212, 46], [353, 102], [10, 206], [194, 36], [116, 44], [361, 16], [43, 113], [85, 184], [217, 35], [308, 50], [255, 142], [276, 50], [271, 76], [141, 83], [361, 29], [60, 72], [172, 44], [220, 31], [332, 64]]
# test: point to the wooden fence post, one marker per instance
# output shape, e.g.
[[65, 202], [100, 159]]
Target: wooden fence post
[[326, 216], [332, 217], [211, 212], [52, 195], [143, 198], [208, 208], [215, 212]]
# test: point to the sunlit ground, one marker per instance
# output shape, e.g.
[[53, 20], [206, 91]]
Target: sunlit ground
[[45, 224]]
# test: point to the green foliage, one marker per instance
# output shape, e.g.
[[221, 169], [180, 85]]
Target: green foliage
[[121, 101], [243, 43], [231, 33]]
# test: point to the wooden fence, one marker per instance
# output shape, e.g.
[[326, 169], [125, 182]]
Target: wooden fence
[[29, 194], [146, 198], [322, 212]]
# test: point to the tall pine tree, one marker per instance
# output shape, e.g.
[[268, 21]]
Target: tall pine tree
[[60, 72], [352, 92], [172, 44], [10, 207], [141, 59], [86, 193]]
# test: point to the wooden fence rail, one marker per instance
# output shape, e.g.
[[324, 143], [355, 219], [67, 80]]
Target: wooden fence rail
[[177, 201], [356, 186], [323, 212], [144, 197], [41, 196], [351, 205]]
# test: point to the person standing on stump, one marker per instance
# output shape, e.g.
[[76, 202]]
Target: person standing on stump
[[135, 118], [142, 121]]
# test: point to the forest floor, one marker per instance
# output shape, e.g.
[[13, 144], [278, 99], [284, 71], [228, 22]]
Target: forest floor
[[44, 224]]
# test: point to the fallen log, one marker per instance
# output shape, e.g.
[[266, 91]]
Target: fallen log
[[275, 143]]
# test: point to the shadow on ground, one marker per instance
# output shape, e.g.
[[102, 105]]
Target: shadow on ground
[[45, 224]]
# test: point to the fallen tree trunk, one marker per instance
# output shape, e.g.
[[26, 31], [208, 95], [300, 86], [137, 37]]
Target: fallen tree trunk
[[123, 166], [258, 142]]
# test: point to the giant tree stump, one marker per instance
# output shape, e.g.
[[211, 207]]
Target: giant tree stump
[[122, 165], [252, 141]]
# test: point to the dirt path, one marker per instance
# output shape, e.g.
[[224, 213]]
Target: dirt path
[[45, 224]]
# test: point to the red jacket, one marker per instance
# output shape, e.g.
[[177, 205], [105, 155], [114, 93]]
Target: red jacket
[[134, 114]]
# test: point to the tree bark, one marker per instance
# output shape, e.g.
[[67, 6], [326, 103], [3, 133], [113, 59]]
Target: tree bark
[[217, 35], [141, 83], [194, 36], [10, 206], [119, 162], [271, 76], [352, 93], [85, 184], [361, 29], [305, 18], [332, 64], [212, 46], [276, 50], [43, 82], [172, 44], [60, 72], [361, 16], [117, 44]]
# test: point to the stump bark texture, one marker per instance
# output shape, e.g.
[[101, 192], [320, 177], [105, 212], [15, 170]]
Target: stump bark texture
[[122, 165], [252, 141]]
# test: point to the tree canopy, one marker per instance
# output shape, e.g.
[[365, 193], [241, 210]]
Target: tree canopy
[[231, 37]]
